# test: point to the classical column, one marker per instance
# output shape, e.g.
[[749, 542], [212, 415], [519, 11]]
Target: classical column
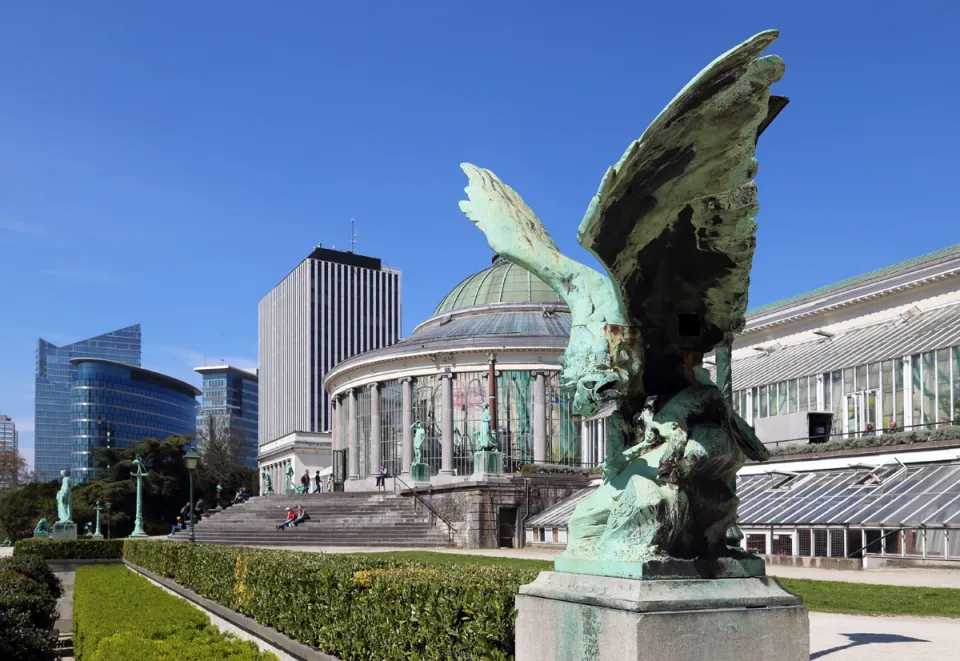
[[354, 464], [374, 429], [407, 422], [539, 418], [334, 424], [446, 424]]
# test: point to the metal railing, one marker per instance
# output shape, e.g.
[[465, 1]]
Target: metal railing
[[451, 531]]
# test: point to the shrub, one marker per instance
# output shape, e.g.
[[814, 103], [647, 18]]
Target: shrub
[[942, 433], [352, 606], [81, 549], [28, 609], [120, 615], [558, 469]]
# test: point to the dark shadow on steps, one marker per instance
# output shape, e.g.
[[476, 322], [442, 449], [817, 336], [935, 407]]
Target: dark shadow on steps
[[858, 639]]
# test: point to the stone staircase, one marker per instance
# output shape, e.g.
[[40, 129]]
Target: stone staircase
[[336, 519]]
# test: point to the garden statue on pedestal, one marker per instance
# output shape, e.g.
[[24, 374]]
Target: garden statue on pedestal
[[673, 226], [288, 485], [97, 534], [64, 528], [43, 528], [6, 542], [267, 483], [88, 529], [486, 458], [138, 531], [419, 471]]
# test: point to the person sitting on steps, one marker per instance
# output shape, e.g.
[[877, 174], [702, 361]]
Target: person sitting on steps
[[382, 477], [301, 516], [291, 515]]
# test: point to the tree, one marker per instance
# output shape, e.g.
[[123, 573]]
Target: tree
[[222, 447], [13, 471], [23, 507]]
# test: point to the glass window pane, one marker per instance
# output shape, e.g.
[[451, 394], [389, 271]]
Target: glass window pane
[[774, 400], [763, 401], [943, 385], [785, 397], [873, 376], [836, 400], [929, 389], [898, 390], [861, 376], [849, 385], [802, 401], [916, 386], [956, 382], [887, 389]]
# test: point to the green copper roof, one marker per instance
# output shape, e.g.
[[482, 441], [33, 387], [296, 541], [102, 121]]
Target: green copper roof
[[504, 282], [860, 279]]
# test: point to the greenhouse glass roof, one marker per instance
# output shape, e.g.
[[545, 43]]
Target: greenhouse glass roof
[[888, 495]]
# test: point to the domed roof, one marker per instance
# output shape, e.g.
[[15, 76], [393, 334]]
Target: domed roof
[[504, 282]]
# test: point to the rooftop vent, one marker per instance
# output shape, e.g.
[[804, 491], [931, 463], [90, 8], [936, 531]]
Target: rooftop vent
[[910, 313]]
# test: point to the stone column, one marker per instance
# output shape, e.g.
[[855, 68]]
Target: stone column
[[406, 454], [374, 429], [539, 418], [354, 465], [334, 424], [446, 424]]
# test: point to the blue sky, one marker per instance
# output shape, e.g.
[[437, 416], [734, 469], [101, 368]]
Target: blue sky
[[168, 163]]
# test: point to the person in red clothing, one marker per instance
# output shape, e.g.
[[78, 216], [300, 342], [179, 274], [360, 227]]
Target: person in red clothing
[[291, 515]]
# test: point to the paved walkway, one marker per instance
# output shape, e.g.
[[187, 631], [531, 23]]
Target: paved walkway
[[835, 637]]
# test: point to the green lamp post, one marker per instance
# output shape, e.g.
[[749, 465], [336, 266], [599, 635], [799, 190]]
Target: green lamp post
[[96, 533], [138, 532], [109, 505], [190, 460]]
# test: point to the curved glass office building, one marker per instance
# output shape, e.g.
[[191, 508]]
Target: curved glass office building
[[115, 405]]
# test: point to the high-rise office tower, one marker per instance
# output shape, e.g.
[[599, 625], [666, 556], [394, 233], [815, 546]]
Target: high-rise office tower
[[53, 440], [8, 434], [230, 407], [333, 305]]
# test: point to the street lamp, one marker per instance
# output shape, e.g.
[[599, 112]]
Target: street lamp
[[109, 518], [190, 460]]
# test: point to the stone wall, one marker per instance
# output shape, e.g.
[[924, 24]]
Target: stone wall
[[475, 508]]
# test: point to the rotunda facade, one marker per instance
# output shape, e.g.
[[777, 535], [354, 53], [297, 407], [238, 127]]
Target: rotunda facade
[[496, 338]]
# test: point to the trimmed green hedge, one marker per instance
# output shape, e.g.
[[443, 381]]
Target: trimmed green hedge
[[118, 615], [81, 549], [28, 609], [353, 606]]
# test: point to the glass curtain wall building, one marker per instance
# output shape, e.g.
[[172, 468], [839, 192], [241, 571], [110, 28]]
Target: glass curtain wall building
[[8, 434], [116, 405], [53, 440], [231, 397]]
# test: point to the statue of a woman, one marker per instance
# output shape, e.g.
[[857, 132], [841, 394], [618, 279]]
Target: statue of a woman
[[64, 500], [419, 434], [267, 483], [486, 440]]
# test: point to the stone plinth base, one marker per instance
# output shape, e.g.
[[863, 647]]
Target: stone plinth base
[[568, 617], [97, 535], [64, 531], [419, 473], [738, 565], [487, 461]]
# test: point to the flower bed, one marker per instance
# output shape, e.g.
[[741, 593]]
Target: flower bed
[[119, 615], [81, 549], [28, 608], [353, 606]]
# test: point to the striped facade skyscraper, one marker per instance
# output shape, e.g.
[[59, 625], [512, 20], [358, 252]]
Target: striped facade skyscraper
[[332, 306]]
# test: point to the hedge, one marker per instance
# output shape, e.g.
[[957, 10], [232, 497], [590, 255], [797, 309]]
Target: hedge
[[353, 606], [28, 609], [118, 615], [81, 549], [912, 437], [559, 469]]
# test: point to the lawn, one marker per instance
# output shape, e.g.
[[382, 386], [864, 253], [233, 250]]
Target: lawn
[[826, 596]]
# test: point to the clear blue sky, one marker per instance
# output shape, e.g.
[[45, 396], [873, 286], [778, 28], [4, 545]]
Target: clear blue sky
[[168, 163]]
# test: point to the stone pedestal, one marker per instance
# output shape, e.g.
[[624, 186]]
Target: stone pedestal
[[64, 532], [419, 474], [569, 617], [487, 461]]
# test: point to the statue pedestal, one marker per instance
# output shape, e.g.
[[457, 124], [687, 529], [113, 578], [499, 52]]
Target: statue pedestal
[[64, 532], [578, 616], [96, 535], [487, 461], [419, 474]]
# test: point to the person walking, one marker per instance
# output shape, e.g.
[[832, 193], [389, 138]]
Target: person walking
[[318, 482], [305, 481]]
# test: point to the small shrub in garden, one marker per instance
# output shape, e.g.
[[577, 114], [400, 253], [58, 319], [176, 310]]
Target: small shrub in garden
[[120, 615], [81, 549], [21, 640], [28, 609]]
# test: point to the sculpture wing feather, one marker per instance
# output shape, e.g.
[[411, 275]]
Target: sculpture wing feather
[[515, 233], [673, 220]]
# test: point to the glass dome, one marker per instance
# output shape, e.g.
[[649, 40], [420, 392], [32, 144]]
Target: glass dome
[[504, 282]]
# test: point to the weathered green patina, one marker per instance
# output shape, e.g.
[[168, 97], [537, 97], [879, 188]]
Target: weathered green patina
[[65, 499], [673, 225], [43, 528], [138, 531], [97, 534], [267, 489], [288, 483]]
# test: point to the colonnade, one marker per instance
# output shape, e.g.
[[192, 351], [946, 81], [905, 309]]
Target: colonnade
[[348, 398]]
